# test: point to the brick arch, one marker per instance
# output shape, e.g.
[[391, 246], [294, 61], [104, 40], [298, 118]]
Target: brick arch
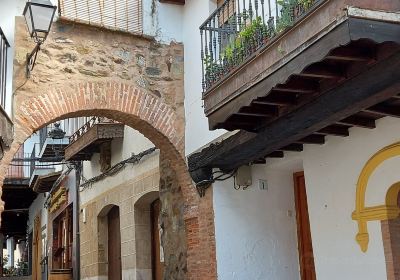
[[142, 111]]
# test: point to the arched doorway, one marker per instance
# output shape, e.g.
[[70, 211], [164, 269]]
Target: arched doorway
[[150, 260], [156, 248], [114, 244]]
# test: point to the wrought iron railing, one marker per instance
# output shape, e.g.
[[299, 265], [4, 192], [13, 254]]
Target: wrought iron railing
[[124, 15], [23, 165], [238, 28], [4, 45], [87, 126]]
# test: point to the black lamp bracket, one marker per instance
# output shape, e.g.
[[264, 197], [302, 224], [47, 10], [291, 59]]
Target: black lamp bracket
[[31, 59]]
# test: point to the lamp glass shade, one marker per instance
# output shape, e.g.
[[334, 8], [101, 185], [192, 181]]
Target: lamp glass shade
[[39, 16]]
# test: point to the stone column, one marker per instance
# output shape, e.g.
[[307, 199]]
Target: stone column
[[10, 250], [173, 237]]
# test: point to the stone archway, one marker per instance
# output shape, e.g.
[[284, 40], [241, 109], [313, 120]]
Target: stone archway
[[84, 70], [158, 122]]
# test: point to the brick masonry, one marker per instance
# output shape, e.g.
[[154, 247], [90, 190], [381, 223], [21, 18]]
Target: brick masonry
[[85, 71]]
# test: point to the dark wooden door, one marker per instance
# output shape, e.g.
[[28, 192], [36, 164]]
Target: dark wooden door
[[157, 258], [114, 245], [306, 256]]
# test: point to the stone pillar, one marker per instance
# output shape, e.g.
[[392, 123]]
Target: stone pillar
[[10, 250], [173, 238]]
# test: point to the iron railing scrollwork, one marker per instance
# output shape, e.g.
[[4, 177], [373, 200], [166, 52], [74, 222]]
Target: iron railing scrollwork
[[4, 45], [238, 28]]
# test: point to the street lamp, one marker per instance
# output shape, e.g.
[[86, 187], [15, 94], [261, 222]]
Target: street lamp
[[39, 15]]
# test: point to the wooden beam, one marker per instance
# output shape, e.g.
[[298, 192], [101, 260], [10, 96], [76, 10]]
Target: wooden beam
[[322, 71], [295, 147], [336, 130], [277, 99], [376, 84], [276, 154], [313, 139], [350, 54], [298, 86], [259, 111], [384, 110], [358, 121]]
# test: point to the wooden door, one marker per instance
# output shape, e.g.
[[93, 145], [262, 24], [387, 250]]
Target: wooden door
[[114, 245], [37, 248], [157, 256], [306, 256]]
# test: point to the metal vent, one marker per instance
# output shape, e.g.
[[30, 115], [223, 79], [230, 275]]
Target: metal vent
[[124, 15]]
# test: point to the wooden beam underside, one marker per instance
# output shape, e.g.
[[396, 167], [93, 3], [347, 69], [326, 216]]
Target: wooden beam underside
[[338, 106]]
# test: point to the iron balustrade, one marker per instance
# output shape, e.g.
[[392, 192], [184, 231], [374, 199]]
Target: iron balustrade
[[4, 45], [238, 28], [88, 125]]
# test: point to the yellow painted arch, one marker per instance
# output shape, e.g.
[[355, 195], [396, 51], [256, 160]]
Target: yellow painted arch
[[389, 210]]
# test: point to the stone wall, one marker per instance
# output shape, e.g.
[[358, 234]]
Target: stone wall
[[93, 239], [86, 71]]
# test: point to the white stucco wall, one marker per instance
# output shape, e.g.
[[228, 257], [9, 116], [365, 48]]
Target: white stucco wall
[[162, 20], [197, 132], [36, 207], [133, 142], [331, 173], [255, 229], [264, 237]]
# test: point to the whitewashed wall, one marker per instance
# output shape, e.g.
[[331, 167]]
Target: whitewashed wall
[[37, 207], [197, 132], [264, 237], [162, 21], [133, 142], [331, 173], [256, 234]]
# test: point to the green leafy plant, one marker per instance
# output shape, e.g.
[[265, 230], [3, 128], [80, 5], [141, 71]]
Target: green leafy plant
[[288, 12], [247, 37]]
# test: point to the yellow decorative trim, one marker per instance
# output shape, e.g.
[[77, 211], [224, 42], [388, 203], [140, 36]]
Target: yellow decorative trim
[[58, 199], [388, 211]]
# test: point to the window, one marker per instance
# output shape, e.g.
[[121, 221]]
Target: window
[[3, 67], [62, 240], [124, 15]]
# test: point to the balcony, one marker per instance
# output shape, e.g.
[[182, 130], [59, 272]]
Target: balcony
[[93, 137], [263, 59], [6, 125], [290, 72], [17, 195]]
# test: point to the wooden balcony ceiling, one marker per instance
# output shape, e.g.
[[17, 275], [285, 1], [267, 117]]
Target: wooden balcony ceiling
[[355, 45], [17, 199], [351, 86], [89, 143], [44, 183], [53, 150]]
